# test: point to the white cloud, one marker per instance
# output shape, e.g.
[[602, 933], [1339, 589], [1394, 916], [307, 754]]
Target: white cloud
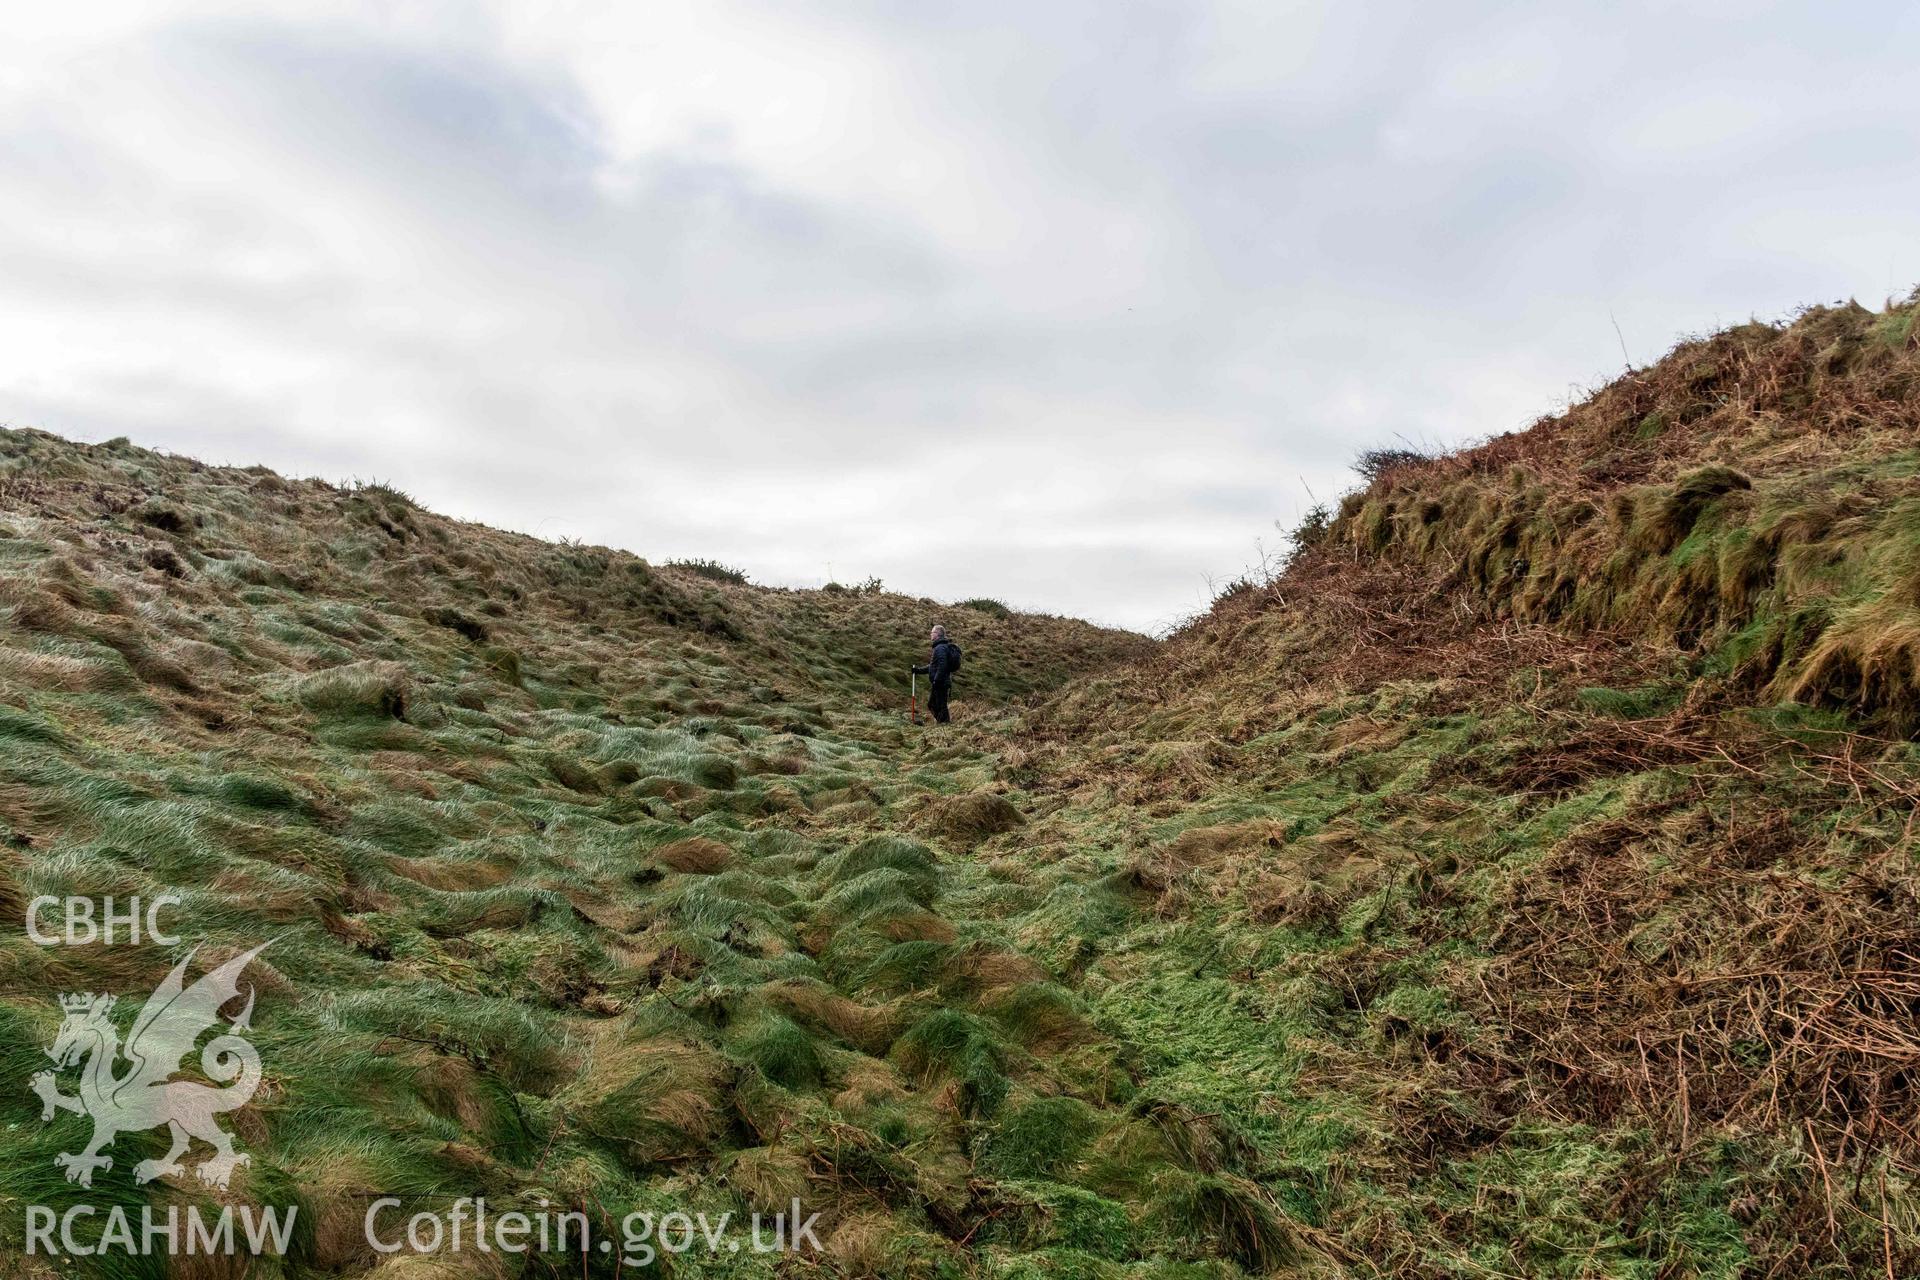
[[1062, 303]]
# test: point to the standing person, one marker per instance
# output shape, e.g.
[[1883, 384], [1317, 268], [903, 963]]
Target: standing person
[[939, 672]]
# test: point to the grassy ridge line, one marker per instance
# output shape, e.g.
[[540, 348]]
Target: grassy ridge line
[[1527, 876], [177, 522]]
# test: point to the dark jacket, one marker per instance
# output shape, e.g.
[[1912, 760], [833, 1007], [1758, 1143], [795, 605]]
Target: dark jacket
[[941, 666]]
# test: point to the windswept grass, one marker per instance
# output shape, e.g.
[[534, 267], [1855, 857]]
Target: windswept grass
[[551, 848]]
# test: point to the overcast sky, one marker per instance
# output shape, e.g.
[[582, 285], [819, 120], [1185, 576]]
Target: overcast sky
[[1064, 303]]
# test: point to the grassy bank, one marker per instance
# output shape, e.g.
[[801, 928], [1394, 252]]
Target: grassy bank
[[1528, 873]]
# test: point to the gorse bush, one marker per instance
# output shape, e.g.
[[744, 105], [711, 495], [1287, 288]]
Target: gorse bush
[[712, 569], [1373, 464], [1311, 530]]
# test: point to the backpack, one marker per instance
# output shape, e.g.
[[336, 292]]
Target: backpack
[[954, 658]]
